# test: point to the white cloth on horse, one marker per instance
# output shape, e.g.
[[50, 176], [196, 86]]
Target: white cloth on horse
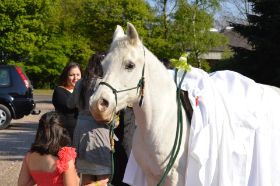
[[134, 175], [235, 133]]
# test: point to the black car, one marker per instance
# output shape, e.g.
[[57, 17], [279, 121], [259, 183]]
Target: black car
[[16, 95]]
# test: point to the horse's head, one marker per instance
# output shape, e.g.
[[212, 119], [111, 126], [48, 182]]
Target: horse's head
[[123, 67]]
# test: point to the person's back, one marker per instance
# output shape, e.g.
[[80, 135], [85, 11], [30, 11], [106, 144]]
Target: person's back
[[47, 162], [47, 170]]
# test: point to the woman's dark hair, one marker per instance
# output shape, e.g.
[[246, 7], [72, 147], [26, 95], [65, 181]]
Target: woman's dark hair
[[64, 75], [93, 71], [166, 62], [50, 136]]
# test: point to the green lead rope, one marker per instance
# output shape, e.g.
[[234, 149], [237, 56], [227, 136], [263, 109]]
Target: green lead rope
[[179, 132], [112, 127]]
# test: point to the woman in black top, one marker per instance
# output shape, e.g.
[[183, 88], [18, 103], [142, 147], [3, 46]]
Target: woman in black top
[[70, 75]]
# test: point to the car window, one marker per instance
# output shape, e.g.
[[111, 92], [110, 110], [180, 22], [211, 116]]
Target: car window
[[5, 79]]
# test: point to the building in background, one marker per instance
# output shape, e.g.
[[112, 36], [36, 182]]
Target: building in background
[[235, 40]]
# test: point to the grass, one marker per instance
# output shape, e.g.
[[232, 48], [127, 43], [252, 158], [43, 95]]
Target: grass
[[42, 91]]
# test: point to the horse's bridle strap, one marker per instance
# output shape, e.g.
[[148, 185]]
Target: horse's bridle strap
[[115, 91]]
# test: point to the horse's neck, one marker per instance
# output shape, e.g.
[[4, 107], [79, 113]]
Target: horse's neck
[[156, 127], [158, 115]]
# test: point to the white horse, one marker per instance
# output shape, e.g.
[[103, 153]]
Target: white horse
[[125, 66]]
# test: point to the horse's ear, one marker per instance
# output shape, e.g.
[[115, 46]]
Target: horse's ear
[[118, 32], [132, 34]]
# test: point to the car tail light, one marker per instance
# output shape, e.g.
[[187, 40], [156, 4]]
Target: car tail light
[[23, 77]]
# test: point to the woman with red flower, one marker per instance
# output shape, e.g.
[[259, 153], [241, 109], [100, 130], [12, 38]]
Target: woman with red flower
[[51, 160]]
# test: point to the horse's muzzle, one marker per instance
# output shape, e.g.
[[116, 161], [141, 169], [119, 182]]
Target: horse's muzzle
[[101, 112]]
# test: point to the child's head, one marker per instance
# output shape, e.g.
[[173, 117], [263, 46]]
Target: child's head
[[94, 67], [51, 135], [92, 72]]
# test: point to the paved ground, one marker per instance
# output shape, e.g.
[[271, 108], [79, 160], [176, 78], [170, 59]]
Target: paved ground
[[16, 140]]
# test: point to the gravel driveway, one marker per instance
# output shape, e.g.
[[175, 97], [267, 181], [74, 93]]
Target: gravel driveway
[[15, 142]]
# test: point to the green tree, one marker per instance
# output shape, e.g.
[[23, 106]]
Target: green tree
[[65, 43], [185, 25], [263, 62], [158, 34], [21, 27], [41, 36], [46, 65], [100, 18], [191, 31]]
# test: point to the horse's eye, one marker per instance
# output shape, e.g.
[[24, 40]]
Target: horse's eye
[[129, 66]]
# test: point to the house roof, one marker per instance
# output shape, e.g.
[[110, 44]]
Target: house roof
[[235, 39]]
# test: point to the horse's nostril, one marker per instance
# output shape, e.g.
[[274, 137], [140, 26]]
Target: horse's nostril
[[103, 102]]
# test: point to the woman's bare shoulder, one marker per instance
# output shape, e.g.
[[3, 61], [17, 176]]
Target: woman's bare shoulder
[[38, 162]]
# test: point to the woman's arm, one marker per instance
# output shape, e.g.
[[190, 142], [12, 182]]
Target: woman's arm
[[70, 177], [25, 178]]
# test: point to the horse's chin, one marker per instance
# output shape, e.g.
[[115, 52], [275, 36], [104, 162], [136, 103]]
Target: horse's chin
[[102, 117], [103, 121]]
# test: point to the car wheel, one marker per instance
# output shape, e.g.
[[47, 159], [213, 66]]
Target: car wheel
[[5, 117]]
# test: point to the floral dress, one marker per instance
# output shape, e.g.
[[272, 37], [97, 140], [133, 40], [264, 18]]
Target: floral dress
[[54, 178]]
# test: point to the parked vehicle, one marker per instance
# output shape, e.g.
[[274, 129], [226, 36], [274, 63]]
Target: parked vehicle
[[16, 95]]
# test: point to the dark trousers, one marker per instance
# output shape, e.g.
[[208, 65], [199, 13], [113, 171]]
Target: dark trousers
[[120, 157]]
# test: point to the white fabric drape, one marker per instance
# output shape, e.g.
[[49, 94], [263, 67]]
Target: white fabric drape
[[235, 132]]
